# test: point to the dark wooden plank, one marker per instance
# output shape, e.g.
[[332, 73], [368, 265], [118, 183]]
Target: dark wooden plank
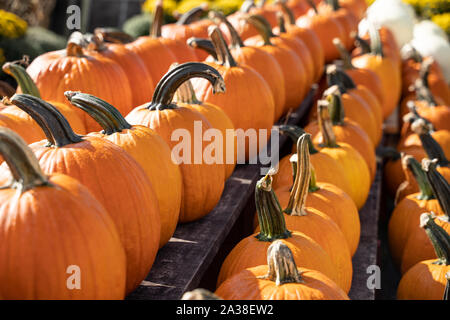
[[180, 264]]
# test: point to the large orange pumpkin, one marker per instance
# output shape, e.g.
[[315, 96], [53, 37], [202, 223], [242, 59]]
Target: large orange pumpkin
[[280, 279], [112, 176], [52, 226], [203, 182], [147, 148]]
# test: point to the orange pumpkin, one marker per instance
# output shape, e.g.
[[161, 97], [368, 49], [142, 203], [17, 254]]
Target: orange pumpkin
[[251, 251], [357, 7], [110, 173], [147, 148], [280, 280], [62, 229], [95, 75], [253, 110], [203, 182]]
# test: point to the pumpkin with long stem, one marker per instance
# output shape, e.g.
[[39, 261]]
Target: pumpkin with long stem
[[360, 76], [250, 251], [253, 110], [280, 279], [418, 247], [326, 27], [285, 41], [112, 176], [321, 162], [27, 86], [59, 224], [186, 97], [189, 25], [258, 59], [291, 66], [147, 148], [308, 36], [203, 182], [97, 75], [411, 168], [427, 279], [345, 130], [386, 69]]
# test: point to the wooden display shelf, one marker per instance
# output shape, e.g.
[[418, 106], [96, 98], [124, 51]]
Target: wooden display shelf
[[192, 256]]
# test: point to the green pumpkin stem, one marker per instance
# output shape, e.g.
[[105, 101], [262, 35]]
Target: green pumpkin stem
[[344, 54], [299, 192], [313, 6], [439, 185], [55, 126], [23, 79], [22, 162], [426, 191], [333, 100], [429, 144], [218, 17], [264, 32], [223, 53], [325, 125], [422, 88], [109, 118], [192, 15], [376, 46], [295, 132], [169, 83], [362, 44], [288, 14], [282, 267], [439, 238], [339, 78], [270, 214], [281, 22], [203, 44], [155, 28]]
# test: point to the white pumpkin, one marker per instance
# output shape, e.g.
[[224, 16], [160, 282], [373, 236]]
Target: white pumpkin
[[426, 28]]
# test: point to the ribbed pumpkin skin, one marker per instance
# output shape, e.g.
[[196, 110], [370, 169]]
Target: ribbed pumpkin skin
[[352, 134], [268, 67], [55, 72], [405, 220], [246, 286], [370, 80], [27, 128], [140, 80], [121, 186], [182, 52], [67, 111], [250, 252], [49, 228], [418, 247], [424, 281], [255, 109], [218, 120], [202, 183], [154, 156]]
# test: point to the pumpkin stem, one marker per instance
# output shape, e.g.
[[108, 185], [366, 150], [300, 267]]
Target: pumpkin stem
[[193, 15], [345, 55], [421, 85], [339, 78], [263, 31], [438, 237], [325, 125], [388, 153], [313, 6], [155, 28], [218, 17], [22, 162], [95, 42], [334, 4], [295, 132], [113, 35], [75, 44], [52, 122], [313, 187], [203, 44], [299, 192], [109, 118], [169, 83], [293, 161], [376, 46], [333, 101], [446, 296], [288, 14], [362, 44], [429, 144], [221, 46], [440, 186], [270, 213], [282, 267], [23, 79], [186, 94], [414, 167], [281, 22]]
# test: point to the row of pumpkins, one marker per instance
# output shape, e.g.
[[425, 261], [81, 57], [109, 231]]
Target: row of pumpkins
[[129, 195]]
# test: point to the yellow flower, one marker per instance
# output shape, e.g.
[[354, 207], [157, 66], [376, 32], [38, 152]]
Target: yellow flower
[[226, 6], [443, 21], [168, 5], [186, 5], [11, 26]]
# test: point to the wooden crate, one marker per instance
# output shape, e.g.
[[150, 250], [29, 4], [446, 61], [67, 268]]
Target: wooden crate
[[193, 256]]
